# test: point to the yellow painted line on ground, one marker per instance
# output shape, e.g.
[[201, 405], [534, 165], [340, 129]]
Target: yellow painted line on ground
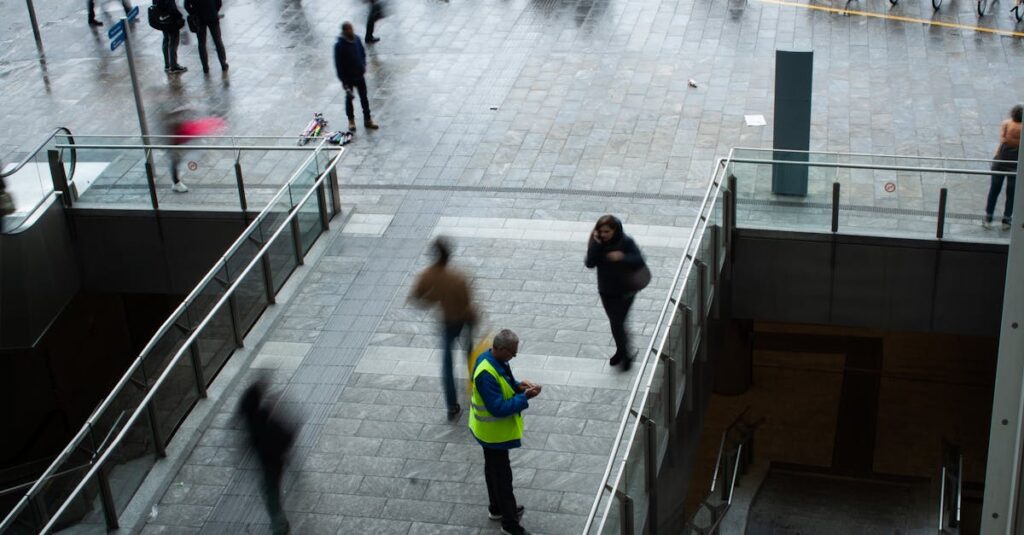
[[898, 18]]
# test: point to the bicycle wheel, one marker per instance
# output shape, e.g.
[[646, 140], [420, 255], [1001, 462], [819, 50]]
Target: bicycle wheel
[[982, 4]]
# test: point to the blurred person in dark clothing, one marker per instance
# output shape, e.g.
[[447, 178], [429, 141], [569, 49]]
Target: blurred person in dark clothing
[[616, 256], [206, 16], [93, 21], [6, 202], [447, 288], [377, 12], [350, 63], [272, 438]]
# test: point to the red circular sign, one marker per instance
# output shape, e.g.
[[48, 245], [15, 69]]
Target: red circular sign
[[890, 187]]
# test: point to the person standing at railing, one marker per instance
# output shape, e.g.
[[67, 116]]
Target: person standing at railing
[[1009, 146], [271, 437], [621, 273], [447, 288], [496, 420]]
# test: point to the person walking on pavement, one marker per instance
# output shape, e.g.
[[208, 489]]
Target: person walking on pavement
[[616, 257], [164, 16], [1009, 147], [446, 287], [376, 12], [93, 21], [350, 62], [496, 420], [272, 438], [205, 16]]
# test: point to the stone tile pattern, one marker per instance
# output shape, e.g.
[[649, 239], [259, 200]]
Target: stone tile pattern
[[359, 368]]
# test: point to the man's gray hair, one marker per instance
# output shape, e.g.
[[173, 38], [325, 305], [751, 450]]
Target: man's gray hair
[[505, 339]]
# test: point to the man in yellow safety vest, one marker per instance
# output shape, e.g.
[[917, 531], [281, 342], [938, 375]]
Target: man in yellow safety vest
[[496, 421]]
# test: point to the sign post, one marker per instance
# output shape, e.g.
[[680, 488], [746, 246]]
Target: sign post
[[121, 33], [35, 24]]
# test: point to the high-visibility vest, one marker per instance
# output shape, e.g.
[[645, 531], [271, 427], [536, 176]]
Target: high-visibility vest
[[485, 426]]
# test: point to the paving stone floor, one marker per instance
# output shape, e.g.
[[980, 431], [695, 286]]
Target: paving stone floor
[[477, 101]]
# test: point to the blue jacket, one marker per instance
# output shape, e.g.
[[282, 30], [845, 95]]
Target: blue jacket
[[349, 59], [494, 400]]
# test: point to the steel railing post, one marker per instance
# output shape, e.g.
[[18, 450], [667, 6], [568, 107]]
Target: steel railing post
[[670, 393], [835, 207], [107, 499], [702, 309], [321, 204], [651, 475], [626, 511], [688, 336], [59, 177], [197, 369], [268, 279], [151, 179], [154, 426], [297, 237], [240, 181], [335, 191], [236, 320], [940, 228]]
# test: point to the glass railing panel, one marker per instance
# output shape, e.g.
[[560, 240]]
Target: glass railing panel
[[634, 479], [157, 359], [175, 397], [56, 490], [281, 254], [27, 187], [216, 342], [310, 225], [250, 294], [84, 515], [130, 462]]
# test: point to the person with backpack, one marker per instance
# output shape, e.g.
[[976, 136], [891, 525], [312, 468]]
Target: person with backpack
[[205, 15], [271, 436], [165, 17]]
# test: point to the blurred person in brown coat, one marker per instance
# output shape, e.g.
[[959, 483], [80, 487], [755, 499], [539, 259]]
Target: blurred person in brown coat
[[448, 289]]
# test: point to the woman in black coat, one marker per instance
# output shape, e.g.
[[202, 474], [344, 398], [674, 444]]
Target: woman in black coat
[[617, 258]]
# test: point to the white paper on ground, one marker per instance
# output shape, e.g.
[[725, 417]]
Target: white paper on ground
[[755, 120]]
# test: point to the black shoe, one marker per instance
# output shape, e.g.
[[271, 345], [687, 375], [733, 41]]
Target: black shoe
[[224, 67], [497, 516], [518, 530], [206, 69], [94, 22], [627, 364], [178, 69], [453, 414], [371, 39], [615, 360]]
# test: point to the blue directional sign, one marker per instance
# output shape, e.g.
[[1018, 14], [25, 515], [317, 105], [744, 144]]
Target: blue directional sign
[[116, 30]]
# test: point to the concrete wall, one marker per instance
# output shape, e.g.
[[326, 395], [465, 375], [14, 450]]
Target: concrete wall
[[127, 251], [912, 285], [38, 277]]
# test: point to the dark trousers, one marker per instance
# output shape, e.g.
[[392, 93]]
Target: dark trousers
[[502, 499], [376, 13], [171, 40], [1005, 153], [351, 86], [450, 334], [617, 308], [272, 498], [214, 28], [92, 8]]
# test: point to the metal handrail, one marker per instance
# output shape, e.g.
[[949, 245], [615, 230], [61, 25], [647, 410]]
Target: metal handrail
[[192, 338], [167, 325], [40, 147], [867, 154], [106, 146], [880, 167], [31, 155], [958, 461], [720, 165]]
